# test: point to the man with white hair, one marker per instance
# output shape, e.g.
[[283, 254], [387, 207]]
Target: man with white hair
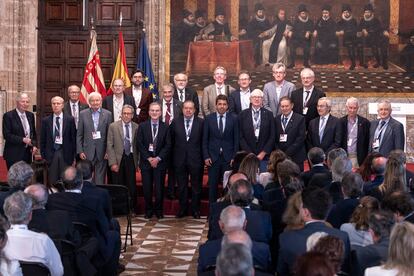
[[19, 132], [386, 133], [183, 92], [92, 135], [257, 129], [73, 106], [58, 140], [306, 98], [324, 131], [355, 130]]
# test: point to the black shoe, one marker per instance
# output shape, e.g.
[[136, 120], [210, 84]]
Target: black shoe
[[352, 67], [159, 215], [181, 214], [120, 268], [196, 215], [148, 215]]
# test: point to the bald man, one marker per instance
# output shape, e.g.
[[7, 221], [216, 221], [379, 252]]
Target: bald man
[[58, 140]]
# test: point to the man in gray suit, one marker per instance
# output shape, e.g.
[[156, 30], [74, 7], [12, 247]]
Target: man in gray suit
[[277, 89], [122, 151], [210, 92], [386, 133], [92, 135]]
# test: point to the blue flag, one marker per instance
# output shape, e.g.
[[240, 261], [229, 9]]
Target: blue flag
[[144, 63]]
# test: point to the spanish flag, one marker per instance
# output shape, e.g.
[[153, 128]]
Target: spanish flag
[[121, 68]]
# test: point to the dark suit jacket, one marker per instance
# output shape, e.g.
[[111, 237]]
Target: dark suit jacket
[[294, 147], [189, 94], [235, 102], [342, 212], [392, 139], [108, 104], [187, 152], [13, 132], [67, 108], [213, 140], [331, 136], [146, 99], [370, 255], [89, 189], [307, 176], [362, 136], [69, 139], [163, 144], [297, 99], [266, 141], [209, 251], [177, 107], [293, 244]]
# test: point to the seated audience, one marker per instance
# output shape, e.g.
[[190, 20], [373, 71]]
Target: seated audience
[[380, 224], [365, 170], [351, 187], [269, 179], [357, 227], [19, 177], [313, 239], [235, 259], [401, 204], [24, 244], [316, 158], [238, 158], [333, 248], [376, 173], [7, 267], [333, 154], [250, 167], [313, 264], [292, 217], [400, 253], [316, 203], [340, 167]]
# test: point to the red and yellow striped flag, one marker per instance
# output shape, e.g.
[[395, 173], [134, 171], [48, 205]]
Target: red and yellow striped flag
[[121, 68]]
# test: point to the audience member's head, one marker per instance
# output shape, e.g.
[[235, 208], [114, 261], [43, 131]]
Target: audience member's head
[[313, 264], [20, 175], [241, 193], [292, 217], [250, 167], [401, 249], [362, 212], [4, 226], [351, 185], [313, 239], [380, 224], [39, 171], [238, 158], [316, 203], [234, 260], [72, 179], [275, 158], [287, 171], [232, 218], [378, 165], [394, 177], [398, 155], [316, 156], [85, 167], [333, 247], [365, 169], [18, 208], [236, 176], [237, 236], [39, 195], [295, 185], [340, 166], [400, 203], [335, 153]]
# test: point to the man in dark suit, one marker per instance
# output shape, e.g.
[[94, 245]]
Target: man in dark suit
[[187, 136], [239, 100], [305, 99], [316, 158], [88, 210], [355, 133], [324, 131], [184, 93], [170, 108], [257, 129], [142, 96], [316, 203], [92, 135], [58, 140], [220, 143], [115, 102], [290, 132], [73, 107], [153, 144], [19, 131], [386, 133], [401, 204]]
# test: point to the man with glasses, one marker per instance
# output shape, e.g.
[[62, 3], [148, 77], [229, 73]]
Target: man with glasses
[[239, 100], [115, 102], [275, 90], [73, 107], [184, 93]]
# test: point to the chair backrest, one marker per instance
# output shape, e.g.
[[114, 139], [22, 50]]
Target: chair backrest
[[34, 269], [120, 198], [84, 230]]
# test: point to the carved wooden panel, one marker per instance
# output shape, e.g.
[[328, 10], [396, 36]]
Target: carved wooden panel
[[53, 74], [61, 12], [77, 49], [108, 12], [106, 49], [75, 74], [52, 49]]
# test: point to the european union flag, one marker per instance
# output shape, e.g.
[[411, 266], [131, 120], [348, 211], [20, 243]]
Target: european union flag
[[144, 63]]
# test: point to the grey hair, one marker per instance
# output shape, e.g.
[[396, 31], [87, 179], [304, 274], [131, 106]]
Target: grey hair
[[17, 208], [39, 194], [170, 85], [20, 175], [233, 218], [94, 94], [21, 95], [127, 106], [326, 100], [336, 153], [313, 239], [234, 259], [352, 100], [279, 65], [339, 167], [384, 101], [307, 71], [237, 236]]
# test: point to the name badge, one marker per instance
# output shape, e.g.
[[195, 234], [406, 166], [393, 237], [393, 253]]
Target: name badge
[[256, 132], [376, 144], [138, 110], [283, 138], [151, 147], [349, 143], [305, 110], [58, 140], [96, 135]]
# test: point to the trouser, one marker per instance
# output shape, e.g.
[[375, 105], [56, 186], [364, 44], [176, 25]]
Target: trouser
[[153, 178], [126, 176], [195, 173], [56, 167], [99, 170], [215, 173]]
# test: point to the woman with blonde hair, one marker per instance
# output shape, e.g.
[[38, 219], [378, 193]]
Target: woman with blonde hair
[[269, 179], [250, 167], [400, 253], [291, 216]]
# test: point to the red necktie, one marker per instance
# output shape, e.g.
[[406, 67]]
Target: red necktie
[[167, 114]]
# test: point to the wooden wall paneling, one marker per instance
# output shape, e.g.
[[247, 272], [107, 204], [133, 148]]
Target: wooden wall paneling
[[78, 49]]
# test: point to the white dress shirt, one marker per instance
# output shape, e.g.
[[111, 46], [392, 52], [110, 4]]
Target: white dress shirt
[[305, 94], [137, 94], [118, 104], [245, 99], [25, 122]]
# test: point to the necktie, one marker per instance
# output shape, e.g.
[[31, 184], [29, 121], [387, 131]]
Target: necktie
[[127, 141], [321, 128], [181, 95], [381, 130], [56, 133], [306, 98], [284, 122], [75, 114], [154, 135], [256, 115], [188, 130], [24, 123], [221, 126], [167, 114], [219, 90]]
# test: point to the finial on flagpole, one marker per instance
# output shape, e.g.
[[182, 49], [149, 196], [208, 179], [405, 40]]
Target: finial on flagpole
[[120, 19], [141, 24], [92, 23]]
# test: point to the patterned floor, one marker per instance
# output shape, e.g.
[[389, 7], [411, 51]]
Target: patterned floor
[[164, 247]]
